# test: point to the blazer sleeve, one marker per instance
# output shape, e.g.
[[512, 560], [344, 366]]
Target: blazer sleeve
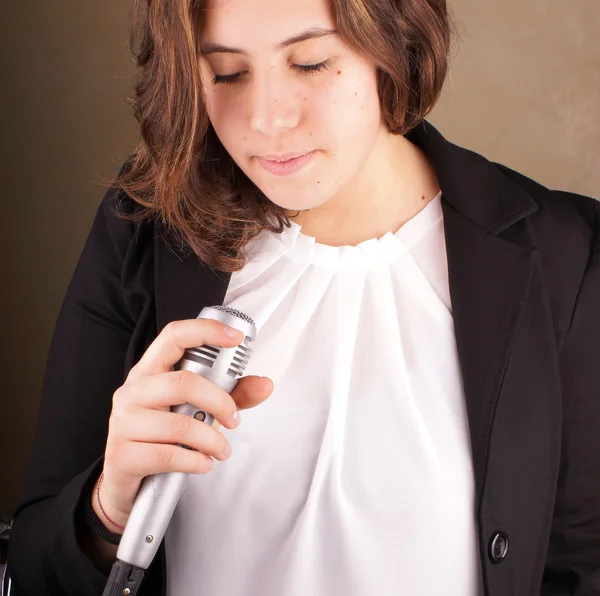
[[85, 365], [573, 560]]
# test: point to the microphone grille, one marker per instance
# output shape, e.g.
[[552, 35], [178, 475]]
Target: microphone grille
[[235, 313]]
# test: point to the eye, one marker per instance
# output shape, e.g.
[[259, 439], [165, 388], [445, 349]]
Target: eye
[[305, 68], [313, 68], [227, 79]]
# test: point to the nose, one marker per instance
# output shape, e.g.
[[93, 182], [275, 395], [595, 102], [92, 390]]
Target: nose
[[271, 105]]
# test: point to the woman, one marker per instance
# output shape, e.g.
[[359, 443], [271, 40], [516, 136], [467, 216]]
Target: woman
[[427, 323]]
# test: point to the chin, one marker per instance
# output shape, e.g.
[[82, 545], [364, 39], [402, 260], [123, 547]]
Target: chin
[[289, 204]]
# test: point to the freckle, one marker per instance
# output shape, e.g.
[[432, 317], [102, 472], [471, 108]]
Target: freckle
[[318, 182], [339, 72], [355, 93], [422, 198]]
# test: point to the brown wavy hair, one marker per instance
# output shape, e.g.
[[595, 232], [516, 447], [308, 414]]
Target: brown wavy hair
[[180, 173]]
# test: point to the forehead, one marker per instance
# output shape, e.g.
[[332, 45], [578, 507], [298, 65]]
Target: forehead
[[262, 22]]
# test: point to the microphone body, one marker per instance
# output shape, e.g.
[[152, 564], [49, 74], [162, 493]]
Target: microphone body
[[159, 494]]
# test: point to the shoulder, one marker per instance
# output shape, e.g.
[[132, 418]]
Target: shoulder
[[123, 243], [118, 223], [563, 213], [116, 202]]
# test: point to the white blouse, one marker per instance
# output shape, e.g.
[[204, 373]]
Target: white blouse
[[355, 476]]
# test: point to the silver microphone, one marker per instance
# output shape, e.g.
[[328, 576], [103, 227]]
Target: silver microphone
[[158, 495]]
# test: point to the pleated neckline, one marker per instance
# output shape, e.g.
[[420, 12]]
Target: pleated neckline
[[304, 248]]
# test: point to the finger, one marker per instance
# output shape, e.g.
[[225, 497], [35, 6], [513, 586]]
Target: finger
[[251, 391], [153, 426], [176, 337], [160, 392], [155, 458]]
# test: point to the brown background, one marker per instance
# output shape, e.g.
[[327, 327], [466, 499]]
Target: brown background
[[524, 90]]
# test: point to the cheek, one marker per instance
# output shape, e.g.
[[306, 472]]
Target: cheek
[[227, 122], [351, 110]]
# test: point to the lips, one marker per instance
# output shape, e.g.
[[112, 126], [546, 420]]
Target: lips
[[283, 157], [286, 164]]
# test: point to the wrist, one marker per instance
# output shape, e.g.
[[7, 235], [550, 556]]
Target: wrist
[[113, 520], [101, 528]]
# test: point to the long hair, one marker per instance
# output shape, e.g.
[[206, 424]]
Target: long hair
[[180, 173]]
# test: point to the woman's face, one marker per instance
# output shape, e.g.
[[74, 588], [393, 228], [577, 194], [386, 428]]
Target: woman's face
[[269, 99]]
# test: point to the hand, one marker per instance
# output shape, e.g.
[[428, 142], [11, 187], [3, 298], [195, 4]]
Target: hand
[[144, 434]]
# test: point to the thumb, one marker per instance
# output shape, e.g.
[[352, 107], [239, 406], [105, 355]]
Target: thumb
[[251, 391]]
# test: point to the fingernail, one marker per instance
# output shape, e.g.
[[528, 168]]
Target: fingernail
[[231, 332], [227, 451]]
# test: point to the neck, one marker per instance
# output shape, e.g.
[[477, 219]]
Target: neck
[[395, 184]]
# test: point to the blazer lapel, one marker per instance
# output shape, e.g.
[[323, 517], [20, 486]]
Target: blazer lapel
[[489, 282], [491, 256]]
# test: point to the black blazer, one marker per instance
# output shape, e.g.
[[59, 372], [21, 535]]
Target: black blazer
[[524, 275]]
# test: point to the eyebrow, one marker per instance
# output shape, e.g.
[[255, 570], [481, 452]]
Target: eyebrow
[[316, 32]]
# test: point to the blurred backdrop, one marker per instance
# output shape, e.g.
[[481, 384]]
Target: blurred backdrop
[[524, 90]]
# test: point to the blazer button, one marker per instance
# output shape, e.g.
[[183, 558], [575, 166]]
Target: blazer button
[[498, 547]]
